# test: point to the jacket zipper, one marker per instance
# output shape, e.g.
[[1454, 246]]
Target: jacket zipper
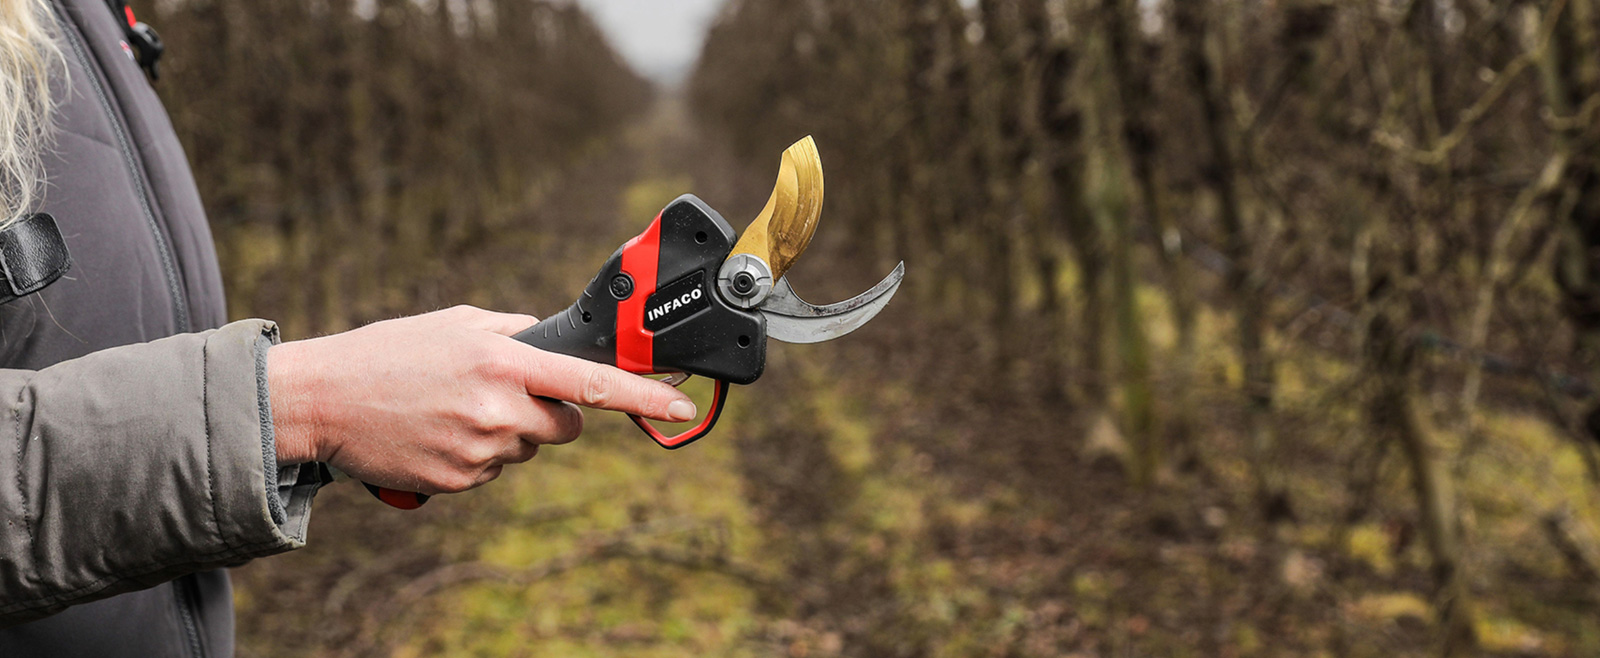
[[180, 303], [184, 590]]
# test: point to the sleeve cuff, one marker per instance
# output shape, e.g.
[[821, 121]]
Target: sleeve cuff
[[290, 487], [280, 497]]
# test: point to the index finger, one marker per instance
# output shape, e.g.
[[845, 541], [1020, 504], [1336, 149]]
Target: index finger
[[600, 386]]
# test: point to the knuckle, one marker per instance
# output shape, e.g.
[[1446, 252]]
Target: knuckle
[[656, 398], [651, 397], [489, 416], [452, 315], [595, 390], [479, 454], [488, 361], [463, 483], [456, 482]]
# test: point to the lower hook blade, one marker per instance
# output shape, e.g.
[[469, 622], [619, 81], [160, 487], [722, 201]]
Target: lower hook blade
[[794, 320]]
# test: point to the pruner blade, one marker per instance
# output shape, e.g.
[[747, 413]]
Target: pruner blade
[[794, 320]]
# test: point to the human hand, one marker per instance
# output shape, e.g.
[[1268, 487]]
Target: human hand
[[439, 402]]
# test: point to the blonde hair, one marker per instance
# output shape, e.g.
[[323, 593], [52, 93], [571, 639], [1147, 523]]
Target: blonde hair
[[28, 52]]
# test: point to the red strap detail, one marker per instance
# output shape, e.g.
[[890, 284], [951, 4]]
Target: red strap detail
[[690, 436], [635, 344], [128, 11]]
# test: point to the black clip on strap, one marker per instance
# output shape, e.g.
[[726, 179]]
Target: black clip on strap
[[146, 44], [32, 255]]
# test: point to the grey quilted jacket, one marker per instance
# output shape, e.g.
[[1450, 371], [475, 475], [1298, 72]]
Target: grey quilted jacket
[[136, 454]]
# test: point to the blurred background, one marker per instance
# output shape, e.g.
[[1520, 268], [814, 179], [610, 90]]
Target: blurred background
[[1231, 328]]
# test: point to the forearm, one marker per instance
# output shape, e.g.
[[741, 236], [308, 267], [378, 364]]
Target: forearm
[[135, 465]]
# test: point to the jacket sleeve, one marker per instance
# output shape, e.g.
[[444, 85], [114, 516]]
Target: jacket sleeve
[[135, 465]]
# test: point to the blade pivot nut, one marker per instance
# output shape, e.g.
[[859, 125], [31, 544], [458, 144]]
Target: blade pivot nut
[[744, 280]]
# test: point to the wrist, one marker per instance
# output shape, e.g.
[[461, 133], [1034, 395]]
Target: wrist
[[290, 385]]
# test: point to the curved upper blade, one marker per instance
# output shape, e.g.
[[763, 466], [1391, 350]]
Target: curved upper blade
[[793, 320]]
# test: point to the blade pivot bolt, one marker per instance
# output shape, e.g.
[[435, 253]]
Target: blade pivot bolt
[[744, 280]]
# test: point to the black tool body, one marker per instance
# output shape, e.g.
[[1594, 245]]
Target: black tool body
[[654, 306]]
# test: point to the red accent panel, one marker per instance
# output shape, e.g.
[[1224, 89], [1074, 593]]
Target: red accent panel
[[128, 11], [635, 344]]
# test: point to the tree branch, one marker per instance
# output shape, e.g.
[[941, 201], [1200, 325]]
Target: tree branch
[[1557, 529], [1440, 149]]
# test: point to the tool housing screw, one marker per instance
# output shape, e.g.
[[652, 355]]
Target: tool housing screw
[[622, 286]]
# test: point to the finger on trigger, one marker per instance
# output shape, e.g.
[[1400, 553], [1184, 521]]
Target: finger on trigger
[[599, 386]]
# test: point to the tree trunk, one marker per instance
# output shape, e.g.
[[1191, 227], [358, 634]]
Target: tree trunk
[[1065, 164], [1220, 173], [1496, 267], [1571, 77], [1011, 49], [1131, 69], [1397, 409]]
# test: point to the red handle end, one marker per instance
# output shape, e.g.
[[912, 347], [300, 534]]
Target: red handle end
[[406, 500]]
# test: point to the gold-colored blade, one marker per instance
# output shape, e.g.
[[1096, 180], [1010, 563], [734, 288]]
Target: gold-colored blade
[[785, 226]]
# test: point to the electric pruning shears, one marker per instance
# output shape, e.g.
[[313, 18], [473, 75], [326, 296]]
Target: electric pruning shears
[[683, 298]]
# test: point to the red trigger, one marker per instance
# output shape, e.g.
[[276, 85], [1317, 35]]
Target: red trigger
[[674, 442]]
